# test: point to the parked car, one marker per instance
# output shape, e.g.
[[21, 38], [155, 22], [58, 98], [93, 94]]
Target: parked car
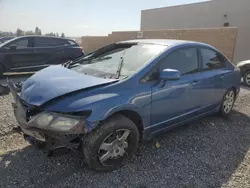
[[109, 100], [4, 39], [244, 67], [32, 53]]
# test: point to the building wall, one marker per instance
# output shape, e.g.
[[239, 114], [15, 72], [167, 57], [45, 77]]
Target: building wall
[[221, 38], [204, 15]]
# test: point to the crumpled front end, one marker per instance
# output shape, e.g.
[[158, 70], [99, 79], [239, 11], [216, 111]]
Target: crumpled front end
[[35, 129]]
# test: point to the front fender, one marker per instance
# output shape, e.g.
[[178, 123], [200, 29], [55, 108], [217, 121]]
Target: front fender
[[103, 105]]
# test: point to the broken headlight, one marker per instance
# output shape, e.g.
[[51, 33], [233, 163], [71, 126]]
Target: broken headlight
[[54, 121]]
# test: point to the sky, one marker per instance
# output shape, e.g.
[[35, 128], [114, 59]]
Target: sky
[[77, 17]]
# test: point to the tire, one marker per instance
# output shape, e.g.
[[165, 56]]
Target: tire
[[106, 135], [246, 78], [227, 103]]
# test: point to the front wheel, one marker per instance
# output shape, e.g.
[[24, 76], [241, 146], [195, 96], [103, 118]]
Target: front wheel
[[227, 103], [110, 145], [246, 78]]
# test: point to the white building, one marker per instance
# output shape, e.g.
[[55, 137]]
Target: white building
[[216, 13]]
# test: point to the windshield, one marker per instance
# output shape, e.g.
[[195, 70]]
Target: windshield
[[2, 43], [108, 63], [5, 41]]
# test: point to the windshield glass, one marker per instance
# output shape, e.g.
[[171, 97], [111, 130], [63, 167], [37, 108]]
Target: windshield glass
[[2, 43], [108, 63], [5, 42]]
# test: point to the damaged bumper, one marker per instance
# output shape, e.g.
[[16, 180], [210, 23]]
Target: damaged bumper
[[50, 140]]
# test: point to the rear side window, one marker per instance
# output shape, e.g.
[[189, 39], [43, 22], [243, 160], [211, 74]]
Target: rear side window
[[46, 42], [183, 60], [71, 42], [212, 60]]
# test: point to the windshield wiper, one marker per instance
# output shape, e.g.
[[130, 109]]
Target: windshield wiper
[[71, 63], [118, 72]]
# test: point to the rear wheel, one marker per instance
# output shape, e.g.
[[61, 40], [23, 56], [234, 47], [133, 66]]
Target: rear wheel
[[246, 78], [109, 146], [227, 103]]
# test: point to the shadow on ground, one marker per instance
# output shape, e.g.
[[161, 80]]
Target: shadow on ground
[[203, 154]]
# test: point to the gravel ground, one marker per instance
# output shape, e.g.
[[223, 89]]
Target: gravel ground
[[207, 153]]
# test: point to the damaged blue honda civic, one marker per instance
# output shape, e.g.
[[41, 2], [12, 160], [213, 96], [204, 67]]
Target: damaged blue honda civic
[[108, 101]]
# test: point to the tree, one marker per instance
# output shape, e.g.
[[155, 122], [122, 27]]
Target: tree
[[6, 34], [57, 34], [29, 33], [50, 34], [38, 31], [62, 35], [19, 32]]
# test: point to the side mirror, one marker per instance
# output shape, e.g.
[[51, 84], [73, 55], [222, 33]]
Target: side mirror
[[170, 74], [13, 47]]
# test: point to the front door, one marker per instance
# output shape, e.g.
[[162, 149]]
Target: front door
[[19, 55], [176, 100]]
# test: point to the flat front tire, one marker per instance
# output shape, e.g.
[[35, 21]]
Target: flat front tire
[[111, 144], [227, 103]]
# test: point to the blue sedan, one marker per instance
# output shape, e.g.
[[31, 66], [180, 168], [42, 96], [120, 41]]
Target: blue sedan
[[107, 101]]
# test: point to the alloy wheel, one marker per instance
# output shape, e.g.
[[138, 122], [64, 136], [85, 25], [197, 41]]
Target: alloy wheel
[[228, 102], [114, 147]]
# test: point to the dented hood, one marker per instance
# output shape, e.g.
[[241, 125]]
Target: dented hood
[[56, 81]]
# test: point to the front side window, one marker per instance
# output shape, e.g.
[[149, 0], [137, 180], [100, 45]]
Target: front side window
[[183, 60], [129, 57], [212, 60], [20, 44]]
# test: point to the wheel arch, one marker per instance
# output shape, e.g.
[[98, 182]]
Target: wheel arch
[[134, 116], [244, 69]]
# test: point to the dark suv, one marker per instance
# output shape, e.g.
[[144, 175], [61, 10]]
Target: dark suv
[[32, 53], [4, 39]]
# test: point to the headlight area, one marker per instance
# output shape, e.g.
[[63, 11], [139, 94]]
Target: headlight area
[[59, 122], [52, 130]]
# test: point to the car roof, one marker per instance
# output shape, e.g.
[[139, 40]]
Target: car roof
[[40, 36], [165, 42]]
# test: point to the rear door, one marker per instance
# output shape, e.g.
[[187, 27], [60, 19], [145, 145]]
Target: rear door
[[214, 70], [48, 51]]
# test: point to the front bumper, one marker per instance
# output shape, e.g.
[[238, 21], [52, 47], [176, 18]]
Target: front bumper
[[51, 139]]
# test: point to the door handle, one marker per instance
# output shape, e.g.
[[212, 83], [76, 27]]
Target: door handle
[[195, 82]]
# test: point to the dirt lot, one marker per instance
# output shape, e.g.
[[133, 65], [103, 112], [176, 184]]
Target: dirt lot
[[208, 153]]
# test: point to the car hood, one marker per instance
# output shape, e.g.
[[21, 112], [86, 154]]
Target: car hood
[[56, 81]]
